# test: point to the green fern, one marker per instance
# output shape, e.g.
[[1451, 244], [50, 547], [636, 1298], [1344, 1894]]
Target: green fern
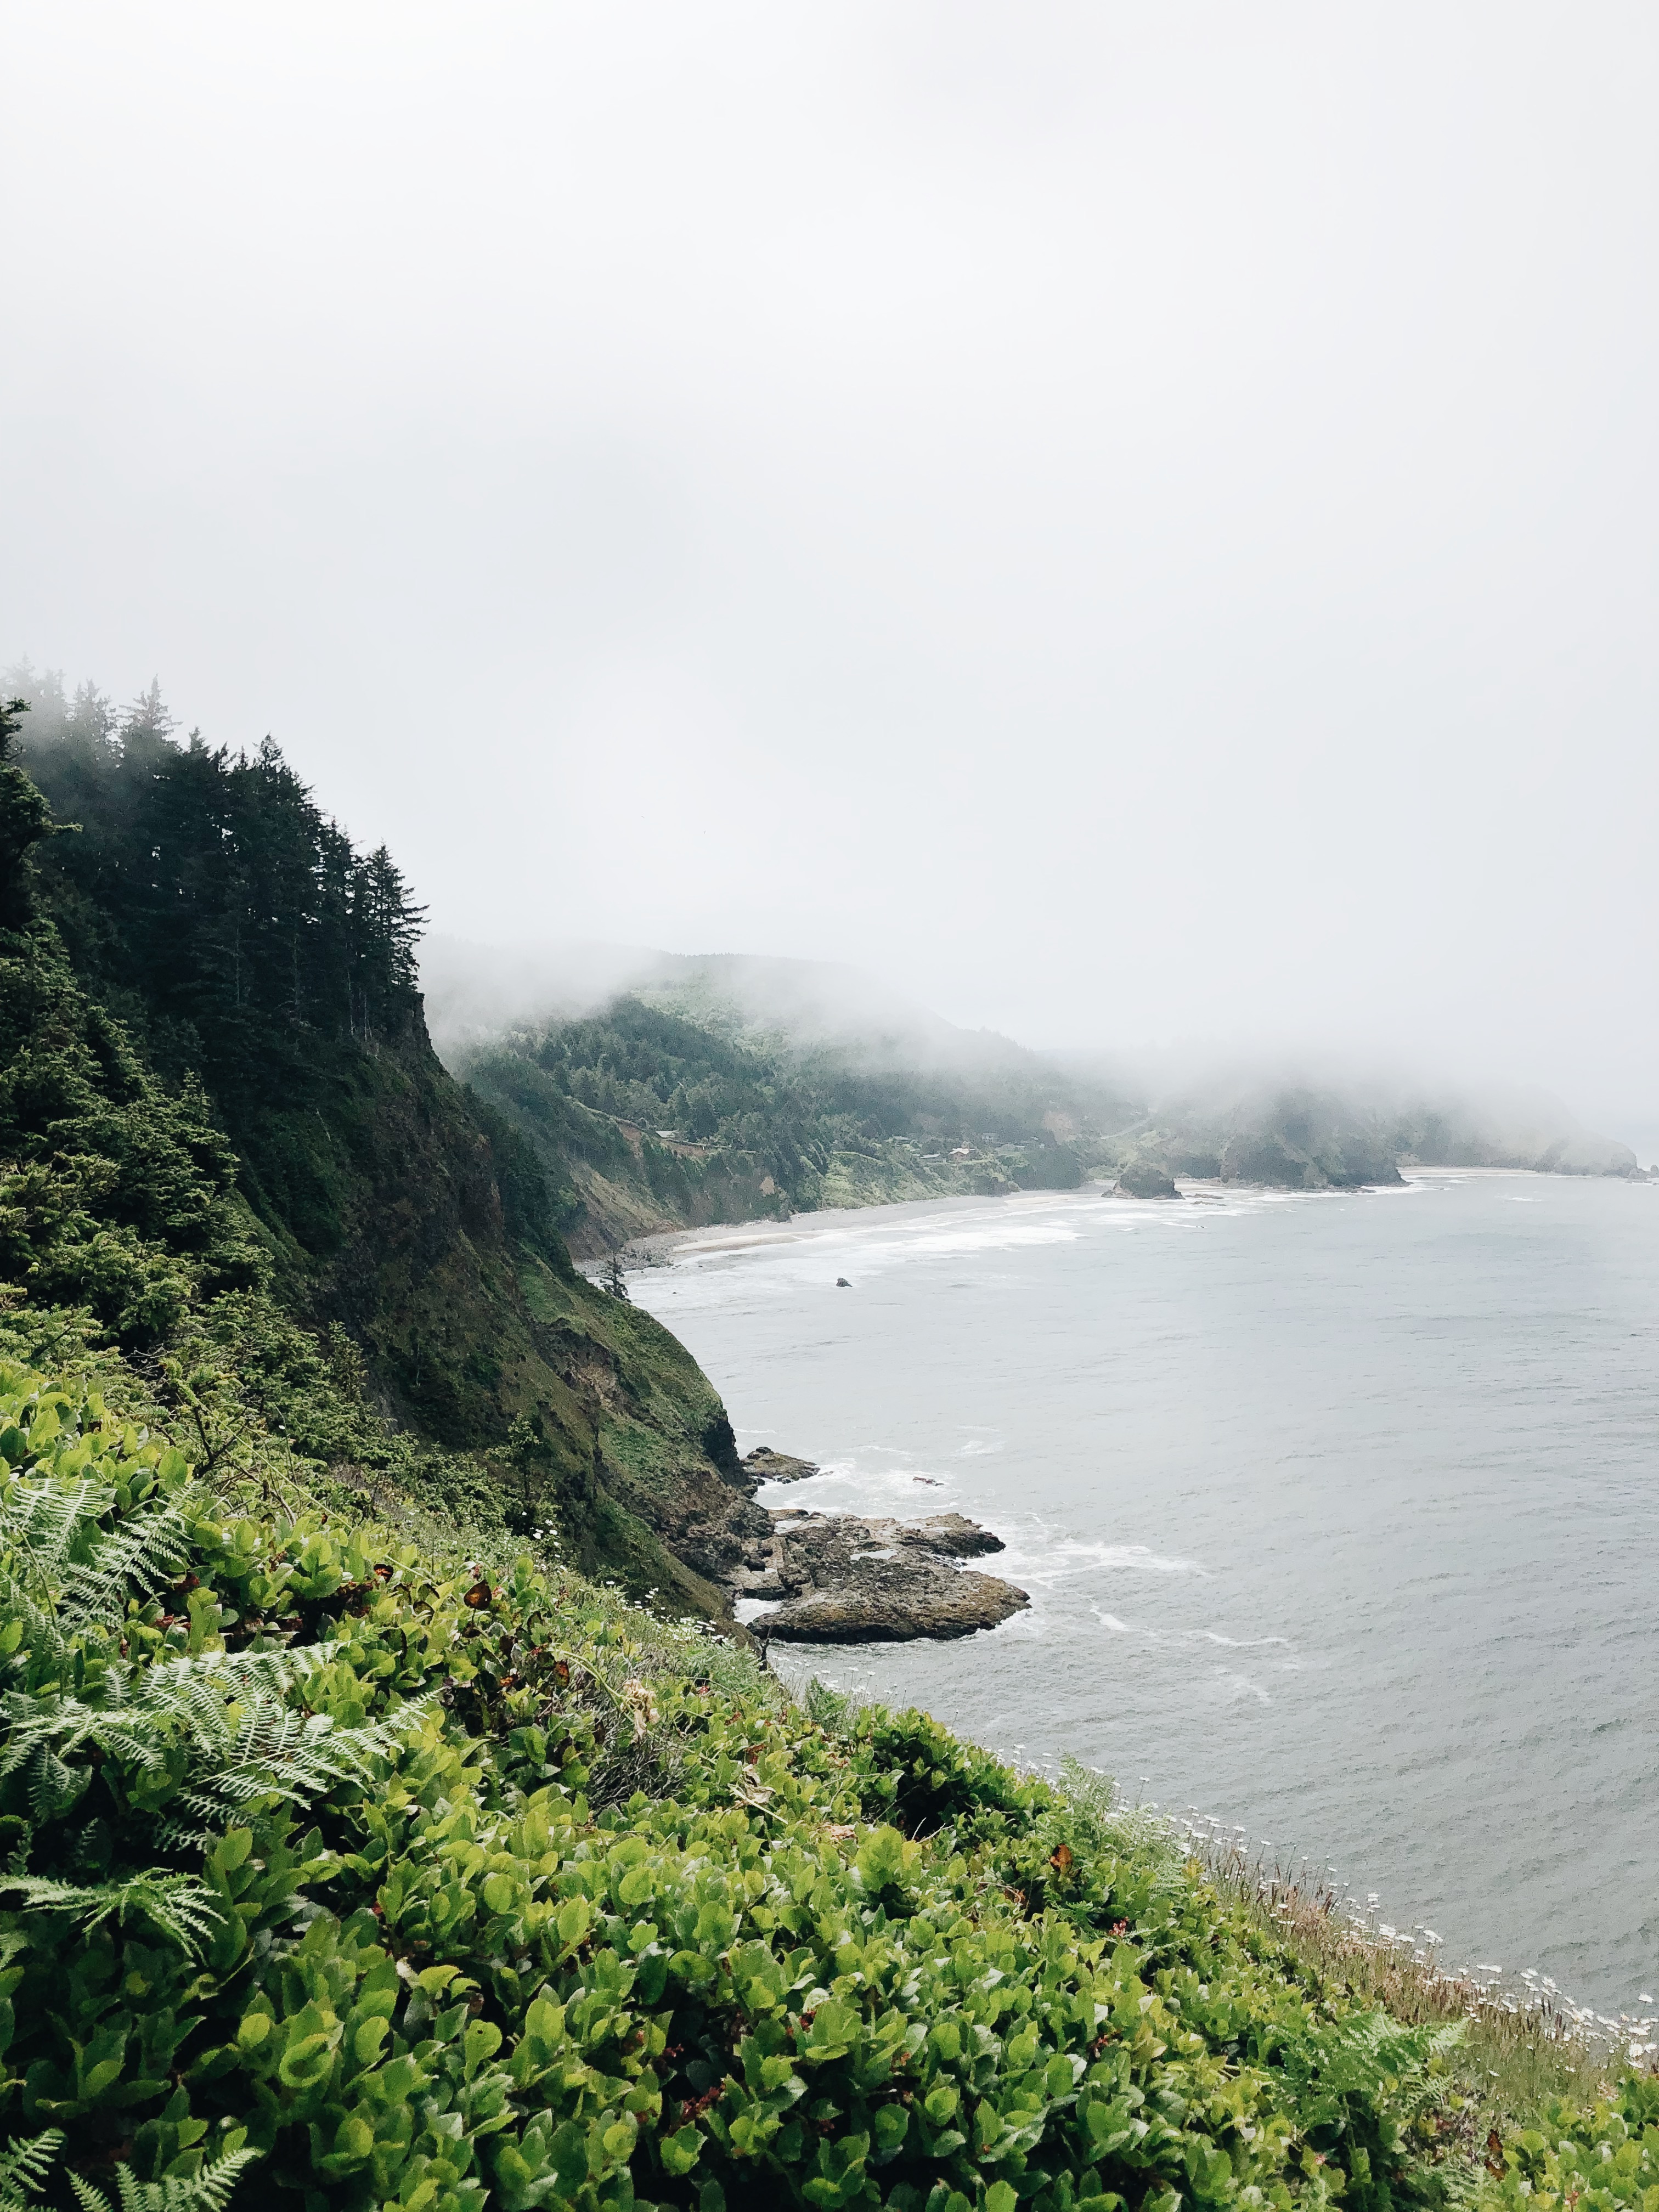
[[176, 1905], [24, 2168], [1371, 2057], [143, 1553], [40, 1526], [65, 1574], [228, 1713], [208, 2191]]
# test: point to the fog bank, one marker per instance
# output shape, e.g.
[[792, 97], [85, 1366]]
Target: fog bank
[[1139, 526]]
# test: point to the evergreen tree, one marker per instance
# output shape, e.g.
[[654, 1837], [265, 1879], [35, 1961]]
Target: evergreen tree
[[25, 819], [148, 716]]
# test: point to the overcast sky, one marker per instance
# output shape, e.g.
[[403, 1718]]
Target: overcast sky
[[1135, 522]]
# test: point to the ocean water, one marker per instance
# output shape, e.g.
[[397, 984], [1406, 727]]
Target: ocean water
[[1340, 1514]]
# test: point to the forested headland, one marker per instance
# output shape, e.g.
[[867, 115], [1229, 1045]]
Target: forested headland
[[225, 1137], [645, 1117], [696, 1090]]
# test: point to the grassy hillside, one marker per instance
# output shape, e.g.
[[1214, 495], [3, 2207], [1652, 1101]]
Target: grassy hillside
[[351, 1866], [221, 1120]]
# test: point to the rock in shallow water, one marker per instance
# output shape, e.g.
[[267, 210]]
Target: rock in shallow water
[[1145, 1179], [951, 1534], [896, 1601], [848, 1580], [766, 1465]]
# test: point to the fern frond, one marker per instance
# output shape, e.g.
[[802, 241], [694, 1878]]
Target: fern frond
[[24, 2168], [54, 1787], [208, 2191], [298, 1756], [41, 1522], [176, 1683], [205, 1696], [145, 1550], [176, 1905], [225, 1712], [1372, 2055], [60, 1725]]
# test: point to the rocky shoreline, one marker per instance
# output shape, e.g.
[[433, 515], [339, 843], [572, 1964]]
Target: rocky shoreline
[[853, 1578]]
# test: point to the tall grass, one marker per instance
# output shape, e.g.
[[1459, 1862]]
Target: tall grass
[[1523, 2042]]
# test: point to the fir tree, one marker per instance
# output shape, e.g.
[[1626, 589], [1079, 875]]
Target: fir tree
[[25, 819]]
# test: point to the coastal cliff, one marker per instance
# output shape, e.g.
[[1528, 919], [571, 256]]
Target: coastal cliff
[[226, 1140]]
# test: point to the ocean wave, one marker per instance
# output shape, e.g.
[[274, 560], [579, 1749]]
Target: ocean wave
[[905, 1491], [1010, 1237]]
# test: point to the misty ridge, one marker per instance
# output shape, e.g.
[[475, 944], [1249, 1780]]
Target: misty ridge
[[675, 1089]]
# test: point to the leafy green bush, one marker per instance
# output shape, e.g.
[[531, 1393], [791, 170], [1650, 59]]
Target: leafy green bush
[[1603, 2157], [419, 1886]]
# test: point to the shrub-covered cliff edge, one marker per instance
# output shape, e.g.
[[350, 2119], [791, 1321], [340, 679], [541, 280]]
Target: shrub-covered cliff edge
[[357, 1863], [224, 1136]]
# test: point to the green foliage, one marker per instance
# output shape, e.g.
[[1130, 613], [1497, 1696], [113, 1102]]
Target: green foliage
[[1602, 2156], [207, 2190], [24, 2169], [417, 1885], [114, 1193]]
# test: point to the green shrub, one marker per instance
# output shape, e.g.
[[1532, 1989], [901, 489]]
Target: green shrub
[[1603, 2156], [420, 1887]]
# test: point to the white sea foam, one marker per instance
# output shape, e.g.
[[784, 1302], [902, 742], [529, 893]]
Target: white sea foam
[[1032, 1557], [1075, 1557], [904, 1489], [1236, 1687], [1238, 1642], [994, 1237]]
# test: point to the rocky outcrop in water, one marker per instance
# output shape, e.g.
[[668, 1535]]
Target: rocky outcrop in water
[[844, 1578], [766, 1465], [841, 1578], [1145, 1179]]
